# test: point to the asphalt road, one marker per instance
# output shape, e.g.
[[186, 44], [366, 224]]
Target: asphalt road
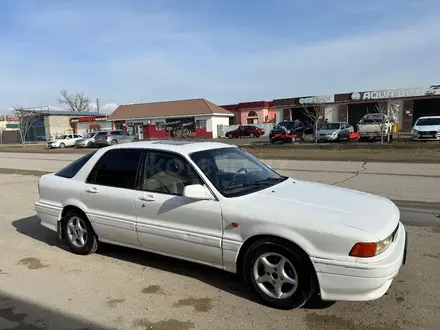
[[44, 286]]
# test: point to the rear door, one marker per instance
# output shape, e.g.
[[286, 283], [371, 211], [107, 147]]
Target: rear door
[[109, 195]]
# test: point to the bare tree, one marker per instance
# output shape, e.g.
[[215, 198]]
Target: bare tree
[[379, 116], [316, 114], [76, 102], [26, 118]]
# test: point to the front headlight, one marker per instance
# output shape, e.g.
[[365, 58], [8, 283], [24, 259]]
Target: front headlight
[[415, 131], [384, 244]]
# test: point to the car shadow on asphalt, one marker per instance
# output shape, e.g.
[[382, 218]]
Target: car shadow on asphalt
[[217, 278], [16, 313]]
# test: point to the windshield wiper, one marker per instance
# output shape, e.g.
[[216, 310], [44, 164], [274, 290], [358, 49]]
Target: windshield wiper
[[258, 183], [271, 180]]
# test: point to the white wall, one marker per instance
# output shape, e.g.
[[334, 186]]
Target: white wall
[[332, 113], [215, 124], [82, 128]]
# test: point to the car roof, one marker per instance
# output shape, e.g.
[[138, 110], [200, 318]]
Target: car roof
[[177, 146], [429, 117]]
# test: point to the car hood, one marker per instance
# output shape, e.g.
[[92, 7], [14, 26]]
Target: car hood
[[428, 128], [374, 214]]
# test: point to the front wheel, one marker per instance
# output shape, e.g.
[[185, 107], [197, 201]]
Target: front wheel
[[79, 234], [62, 145], [282, 277], [252, 135]]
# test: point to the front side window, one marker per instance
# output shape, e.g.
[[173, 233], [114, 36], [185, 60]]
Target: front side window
[[167, 173], [117, 168], [72, 169], [234, 172]]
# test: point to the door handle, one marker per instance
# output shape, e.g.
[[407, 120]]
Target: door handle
[[148, 198], [92, 190]]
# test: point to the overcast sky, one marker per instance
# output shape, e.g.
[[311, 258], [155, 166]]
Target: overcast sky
[[226, 51]]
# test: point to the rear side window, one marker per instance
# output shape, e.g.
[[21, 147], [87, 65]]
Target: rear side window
[[72, 169], [117, 168]]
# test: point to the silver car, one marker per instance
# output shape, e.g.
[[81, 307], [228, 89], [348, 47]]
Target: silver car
[[334, 131], [88, 141], [114, 137]]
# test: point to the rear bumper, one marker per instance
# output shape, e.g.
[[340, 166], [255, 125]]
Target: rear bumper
[[48, 215], [361, 282]]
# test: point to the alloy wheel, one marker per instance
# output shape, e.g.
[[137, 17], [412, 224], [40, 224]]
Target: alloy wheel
[[275, 275], [77, 232]]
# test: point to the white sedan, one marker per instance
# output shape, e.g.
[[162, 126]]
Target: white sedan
[[215, 204], [62, 141]]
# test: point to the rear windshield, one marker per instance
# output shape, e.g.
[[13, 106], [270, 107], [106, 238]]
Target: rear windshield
[[72, 169], [428, 122]]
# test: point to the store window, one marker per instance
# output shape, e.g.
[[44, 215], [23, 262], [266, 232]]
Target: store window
[[201, 123], [160, 125]]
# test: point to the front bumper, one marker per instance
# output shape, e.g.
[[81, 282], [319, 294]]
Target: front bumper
[[361, 281], [420, 136], [327, 137]]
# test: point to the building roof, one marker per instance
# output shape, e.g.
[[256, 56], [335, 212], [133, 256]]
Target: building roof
[[67, 113], [248, 105], [194, 107]]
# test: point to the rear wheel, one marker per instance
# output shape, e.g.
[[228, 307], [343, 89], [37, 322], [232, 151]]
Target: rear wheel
[[252, 135], [113, 142], [281, 276], [79, 233]]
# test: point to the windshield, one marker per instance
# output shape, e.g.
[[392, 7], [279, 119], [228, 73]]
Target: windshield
[[234, 172], [61, 137], [330, 126], [90, 135], [427, 122]]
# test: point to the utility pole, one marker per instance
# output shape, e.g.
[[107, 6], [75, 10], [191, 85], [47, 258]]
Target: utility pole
[[97, 104]]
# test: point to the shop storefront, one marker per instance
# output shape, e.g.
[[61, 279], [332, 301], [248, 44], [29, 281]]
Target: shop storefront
[[175, 119], [84, 125]]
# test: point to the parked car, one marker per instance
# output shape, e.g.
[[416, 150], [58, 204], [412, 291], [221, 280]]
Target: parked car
[[114, 137], [62, 141], [88, 141], [334, 131], [288, 127], [374, 125], [217, 205], [248, 130], [426, 128]]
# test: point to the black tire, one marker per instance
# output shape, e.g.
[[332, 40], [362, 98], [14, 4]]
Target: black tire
[[113, 142], [91, 241], [306, 275], [89, 145]]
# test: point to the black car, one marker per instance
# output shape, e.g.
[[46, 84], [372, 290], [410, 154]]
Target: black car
[[289, 127]]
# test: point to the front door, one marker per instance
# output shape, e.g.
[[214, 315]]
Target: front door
[[110, 194], [168, 222]]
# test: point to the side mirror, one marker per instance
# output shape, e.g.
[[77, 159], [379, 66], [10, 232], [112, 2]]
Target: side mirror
[[197, 191]]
